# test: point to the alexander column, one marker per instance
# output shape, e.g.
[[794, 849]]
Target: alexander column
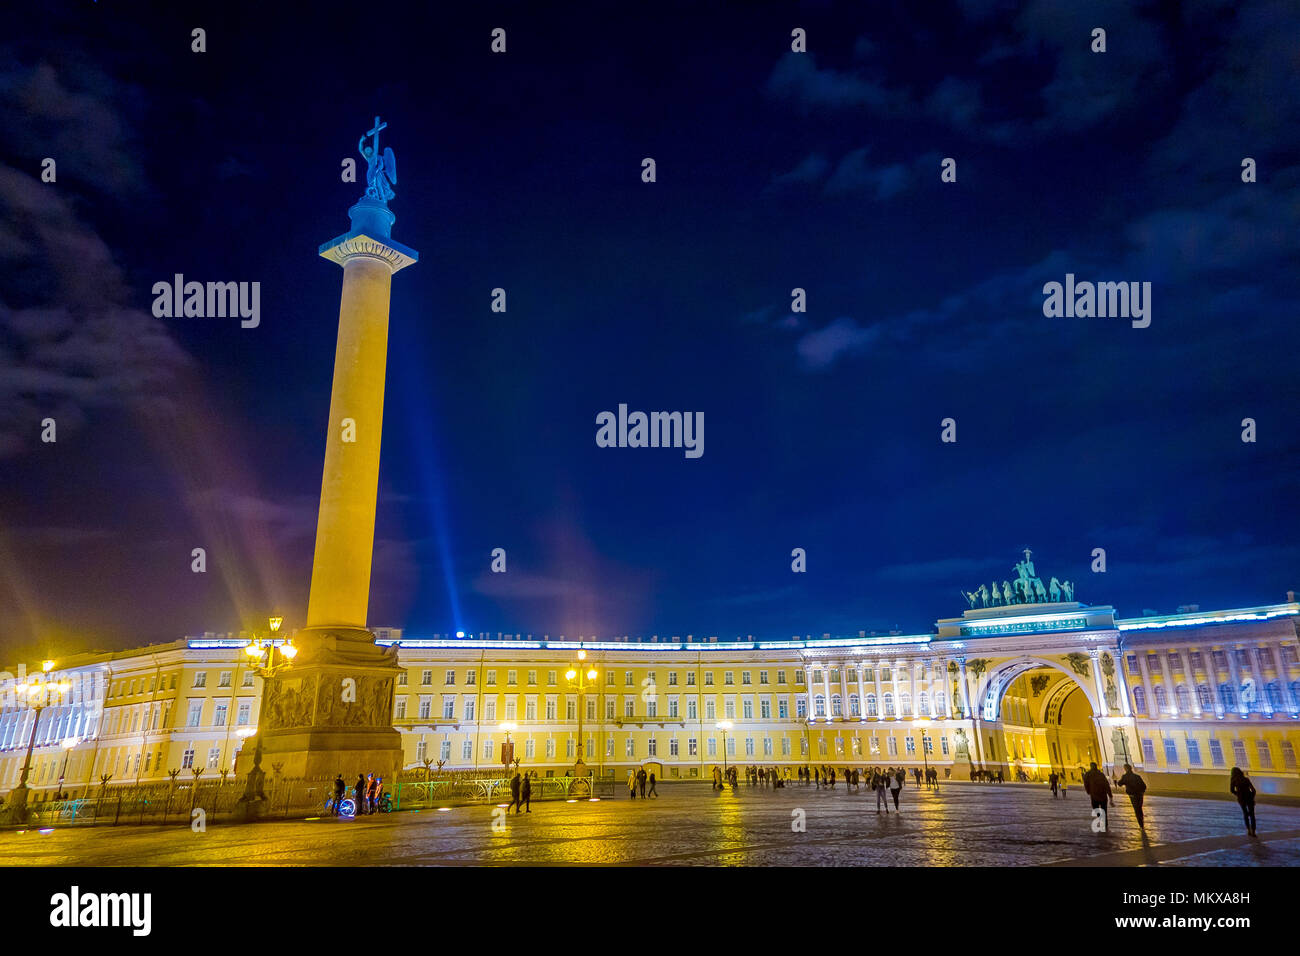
[[331, 712]]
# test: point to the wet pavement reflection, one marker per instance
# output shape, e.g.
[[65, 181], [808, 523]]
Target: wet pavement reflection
[[689, 825]]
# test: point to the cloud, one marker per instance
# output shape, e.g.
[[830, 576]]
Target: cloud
[[855, 174], [825, 346], [44, 113], [797, 79], [76, 347], [69, 340], [809, 170]]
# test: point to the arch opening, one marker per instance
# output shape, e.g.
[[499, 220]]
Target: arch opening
[[1040, 719]]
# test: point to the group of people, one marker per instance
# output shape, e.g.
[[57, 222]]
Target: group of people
[[765, 776], [638, 781], [521, 793], [367, 793], [1102, 797]]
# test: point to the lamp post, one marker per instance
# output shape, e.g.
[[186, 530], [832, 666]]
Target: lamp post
[[253, 801], [581, 676], [67, 745], [508, 748], [37, 693], [924, 723], [724, 726]]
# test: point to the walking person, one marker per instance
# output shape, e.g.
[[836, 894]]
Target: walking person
[[653, 791], [880, 784], [1053, 781], [515, 787], [897, 786], [1136, 789], [631, 784], [1239, 786], [525, 795], [640, 781], [1097, 787]]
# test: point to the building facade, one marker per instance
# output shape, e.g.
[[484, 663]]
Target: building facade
[[1021, 689]]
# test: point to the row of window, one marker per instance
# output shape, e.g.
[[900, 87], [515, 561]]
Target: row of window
[[611, 678], [674, 711], [1263, 753], [1196, 661], [1270, 700], [630, 747]]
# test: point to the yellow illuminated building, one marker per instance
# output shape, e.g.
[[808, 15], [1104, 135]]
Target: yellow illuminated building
[[1020, 690]]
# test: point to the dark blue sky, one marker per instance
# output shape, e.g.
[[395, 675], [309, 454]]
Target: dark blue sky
[[775, 170]]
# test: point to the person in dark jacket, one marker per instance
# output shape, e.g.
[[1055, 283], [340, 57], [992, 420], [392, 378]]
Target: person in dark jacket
[[640, 782], [525, 796], [1136, 789], [515, 785], [359, 794], [340, 788], [1098, 789], [653, 791], [1053, 779], [1239, 786]]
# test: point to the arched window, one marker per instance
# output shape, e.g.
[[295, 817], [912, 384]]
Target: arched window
[[837, 705], [1275, 696], [819, 706], [1162, 700], [1295, 693], [904, 703], [854, 706], [871, 705], [889, 704], [1140, 700], [1227, 697], [1203, 695], [923, 699], [1184, 698]]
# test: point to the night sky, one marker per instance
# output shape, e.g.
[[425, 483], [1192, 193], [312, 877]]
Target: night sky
[[775, 170]]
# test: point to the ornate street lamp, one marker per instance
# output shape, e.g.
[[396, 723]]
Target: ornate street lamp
[[268, 658], [67, 744], [37, 693], [581, 676], [924, 723], [507, 749], [724, 726]]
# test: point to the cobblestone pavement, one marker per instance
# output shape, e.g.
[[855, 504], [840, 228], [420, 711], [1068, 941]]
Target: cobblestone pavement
[[960, 825]]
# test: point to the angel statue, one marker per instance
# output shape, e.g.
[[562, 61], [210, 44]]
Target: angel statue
[[380, 169]]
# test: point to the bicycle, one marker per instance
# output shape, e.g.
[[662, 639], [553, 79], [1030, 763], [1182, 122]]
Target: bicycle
[[347, 806]]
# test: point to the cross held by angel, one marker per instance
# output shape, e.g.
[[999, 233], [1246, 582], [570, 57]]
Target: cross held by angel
[[381, 169]]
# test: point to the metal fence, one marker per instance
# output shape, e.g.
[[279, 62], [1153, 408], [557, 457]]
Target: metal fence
[[459, 790], [175, 802]]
